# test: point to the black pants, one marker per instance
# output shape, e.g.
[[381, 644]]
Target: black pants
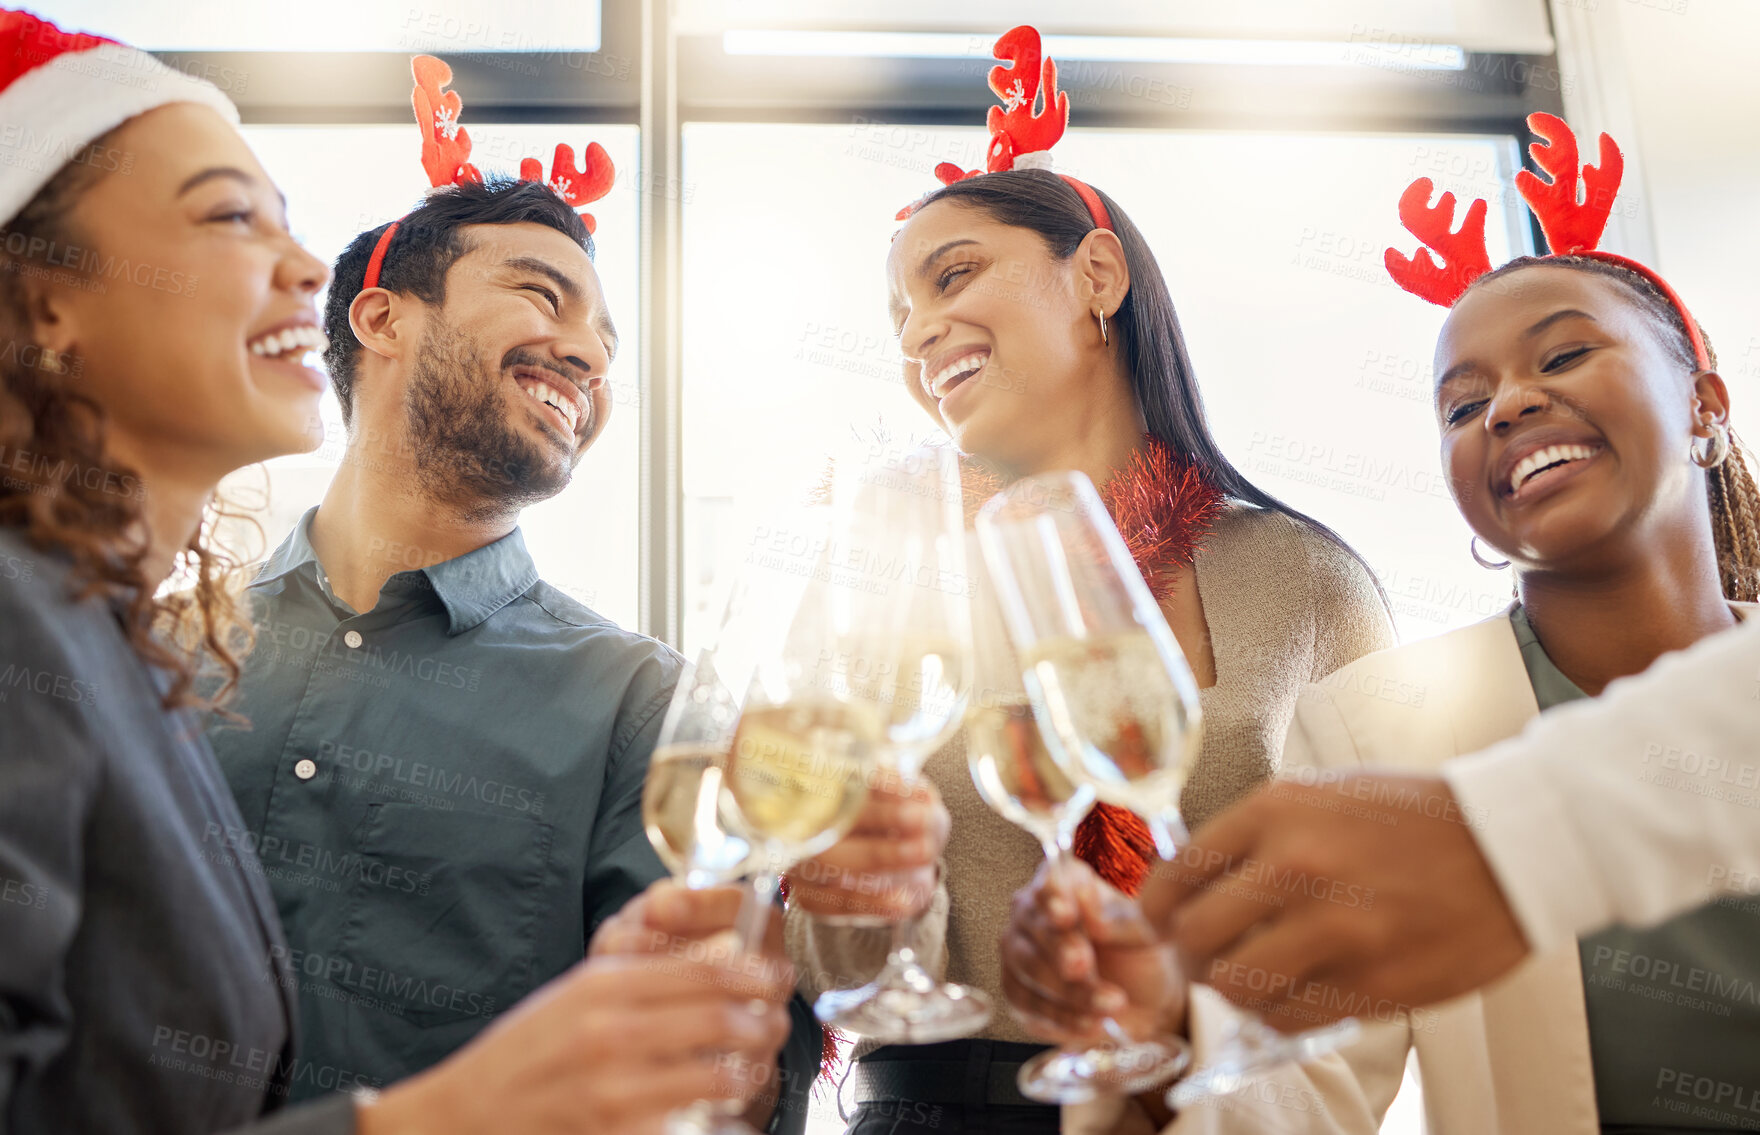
[[948, 1089]]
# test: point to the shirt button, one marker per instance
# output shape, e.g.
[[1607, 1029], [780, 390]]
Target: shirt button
[[353, 639], [305, 770]]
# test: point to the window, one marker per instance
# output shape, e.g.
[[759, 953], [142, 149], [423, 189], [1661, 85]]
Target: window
[[1315, 367], [341, 25]]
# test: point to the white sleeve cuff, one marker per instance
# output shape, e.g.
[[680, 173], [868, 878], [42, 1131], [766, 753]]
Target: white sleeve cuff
[[1527, 834]]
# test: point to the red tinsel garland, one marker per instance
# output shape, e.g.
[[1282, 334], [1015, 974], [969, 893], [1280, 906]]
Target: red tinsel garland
[[1163, 508]]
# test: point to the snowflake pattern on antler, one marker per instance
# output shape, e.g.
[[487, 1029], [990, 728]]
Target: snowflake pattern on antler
[[446, 148], [583, 186], [1026, 77]]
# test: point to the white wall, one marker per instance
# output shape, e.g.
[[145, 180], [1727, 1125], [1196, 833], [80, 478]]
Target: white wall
[[1695, 95]]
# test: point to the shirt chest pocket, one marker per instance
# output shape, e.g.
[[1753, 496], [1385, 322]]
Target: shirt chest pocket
[[443, 911]]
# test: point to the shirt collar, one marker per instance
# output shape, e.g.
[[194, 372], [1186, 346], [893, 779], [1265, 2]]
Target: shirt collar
[[472, 587], [294, 552], [480, 583]]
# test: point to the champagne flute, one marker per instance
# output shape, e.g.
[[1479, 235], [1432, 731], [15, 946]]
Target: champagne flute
[[1013, 765], [696, 837], [741, 784], [897, 637], [1105, 673]]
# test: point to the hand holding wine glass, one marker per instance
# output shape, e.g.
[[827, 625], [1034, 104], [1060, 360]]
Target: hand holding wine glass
[[1022, 772], [896, 639], [900, 836], [1108, 677], [1077, 951], [748, 774]]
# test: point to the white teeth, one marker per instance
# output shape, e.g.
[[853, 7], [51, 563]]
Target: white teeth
[[966, 362], [293, 339], [545, 394], [1541, 458]]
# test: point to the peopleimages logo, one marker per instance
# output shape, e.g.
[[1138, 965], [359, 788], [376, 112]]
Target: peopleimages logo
[[400, 992], [283, 858], [252, 1068]]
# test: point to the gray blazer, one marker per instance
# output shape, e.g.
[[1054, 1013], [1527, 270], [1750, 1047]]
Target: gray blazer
[[143, 984]]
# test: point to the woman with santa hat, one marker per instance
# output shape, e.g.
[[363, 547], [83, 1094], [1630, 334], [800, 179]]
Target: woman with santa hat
[[155, 319]]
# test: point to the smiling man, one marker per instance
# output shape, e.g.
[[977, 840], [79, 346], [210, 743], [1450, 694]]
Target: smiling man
[[443, 770]]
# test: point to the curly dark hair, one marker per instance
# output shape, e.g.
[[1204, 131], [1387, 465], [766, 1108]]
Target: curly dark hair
[[68, 496]]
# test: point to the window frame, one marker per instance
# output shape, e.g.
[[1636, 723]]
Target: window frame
[[651, 74]]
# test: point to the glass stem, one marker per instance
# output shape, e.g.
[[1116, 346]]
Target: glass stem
[[756, 901], [1169, 833]]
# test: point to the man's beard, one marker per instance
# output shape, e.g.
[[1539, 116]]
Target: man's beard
[[467, 454]]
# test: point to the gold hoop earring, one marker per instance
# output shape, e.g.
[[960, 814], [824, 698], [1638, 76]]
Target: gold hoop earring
[[1105, 336], [1488, 565], [1715, 452]]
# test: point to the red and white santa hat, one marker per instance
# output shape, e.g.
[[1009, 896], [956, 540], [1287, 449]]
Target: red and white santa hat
[[60, 90]]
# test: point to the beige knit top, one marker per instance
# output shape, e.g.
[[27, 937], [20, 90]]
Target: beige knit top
[[1284, 605]]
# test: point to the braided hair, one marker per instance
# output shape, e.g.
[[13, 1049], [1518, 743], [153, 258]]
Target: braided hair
[[1730, 490]]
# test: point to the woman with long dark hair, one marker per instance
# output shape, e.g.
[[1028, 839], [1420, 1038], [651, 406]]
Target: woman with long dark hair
[[1038, 331]]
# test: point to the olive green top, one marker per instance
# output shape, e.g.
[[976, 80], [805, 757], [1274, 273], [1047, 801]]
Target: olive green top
[[1674, 1010]]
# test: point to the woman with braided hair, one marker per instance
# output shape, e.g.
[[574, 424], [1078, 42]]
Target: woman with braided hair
[[1585, 434]]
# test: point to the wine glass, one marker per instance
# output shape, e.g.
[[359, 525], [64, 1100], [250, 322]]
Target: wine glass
[[692, 832], [744, 784], [897, 637], [1013, 765], [1105, 673]]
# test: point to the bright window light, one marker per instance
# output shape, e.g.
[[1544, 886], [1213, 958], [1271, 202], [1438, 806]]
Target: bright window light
[[437, 26], [1315, 367], [583, 539], [1101, 48]]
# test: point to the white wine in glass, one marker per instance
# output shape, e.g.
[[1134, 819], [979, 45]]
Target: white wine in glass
[[1019, 773], [695, 834], [798, 789], [683, 812], [896, 635], [1110, 681], [796, 775], [1126, 729], [1016, 775]]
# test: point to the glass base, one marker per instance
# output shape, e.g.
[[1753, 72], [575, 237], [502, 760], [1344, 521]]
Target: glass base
[[1253, 1048], [906, 1014], [1077, 1075]]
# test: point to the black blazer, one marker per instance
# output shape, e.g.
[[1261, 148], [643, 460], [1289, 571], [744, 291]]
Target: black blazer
[[143, 987]]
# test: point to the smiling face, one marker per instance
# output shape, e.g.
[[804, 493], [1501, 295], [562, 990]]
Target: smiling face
[[1566, 422], [999, 339], [508, 386], [190, 308]]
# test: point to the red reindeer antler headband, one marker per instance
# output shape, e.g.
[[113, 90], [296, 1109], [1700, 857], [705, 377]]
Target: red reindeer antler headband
[[1572, 228], [446, 151], [1021, 136]]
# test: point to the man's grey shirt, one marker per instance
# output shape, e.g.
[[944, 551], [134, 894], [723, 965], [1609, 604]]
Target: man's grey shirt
[[444, 792], [143, 984]]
